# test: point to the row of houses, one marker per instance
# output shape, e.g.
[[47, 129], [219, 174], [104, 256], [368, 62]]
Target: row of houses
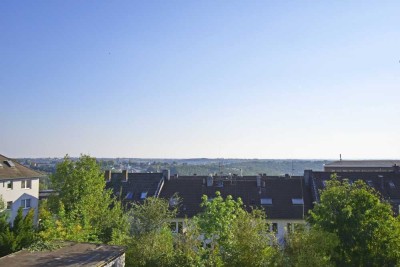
[[285, 199]]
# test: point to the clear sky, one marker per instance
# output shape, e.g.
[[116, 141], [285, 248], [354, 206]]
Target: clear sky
[[179, 79]]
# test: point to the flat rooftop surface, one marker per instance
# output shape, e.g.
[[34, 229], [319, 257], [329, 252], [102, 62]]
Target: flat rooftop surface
[[70, 254], [363, 163]]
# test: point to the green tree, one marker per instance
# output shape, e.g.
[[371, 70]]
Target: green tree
[[83, 210], [150, 216], [151, 243], [368, 233], [234, 237], [21, 235], [251, 243], [309, 247]]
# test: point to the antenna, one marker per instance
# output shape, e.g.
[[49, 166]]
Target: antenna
[[292, 168]]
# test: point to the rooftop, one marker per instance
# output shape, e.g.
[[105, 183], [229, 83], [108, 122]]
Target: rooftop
[[11, 169], [274, 194], [70, 254], [364, 163]]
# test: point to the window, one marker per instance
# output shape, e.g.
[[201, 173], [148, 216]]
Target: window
[[219, 183], [26, 184], [180, 227], [266, 201], [143, 195], [173, 227], [323, 183], [370, 183], [26, 203], [297, 201], [9, 205], [9, 185], [129, 195], [273, 227], [391, 184]]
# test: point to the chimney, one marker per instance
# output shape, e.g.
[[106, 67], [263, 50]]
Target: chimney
[[396, 168], [124, 176], [307, 176], [166, 175], [258, 181], [210, 180], [107, 175]]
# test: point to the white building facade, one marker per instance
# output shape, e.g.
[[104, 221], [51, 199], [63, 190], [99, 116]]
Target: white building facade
[[19, 187]]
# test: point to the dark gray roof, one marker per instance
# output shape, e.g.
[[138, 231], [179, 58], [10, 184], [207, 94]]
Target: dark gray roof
[[364, 163], [280, 189], [386, 183], [70, 254], [137, 184]]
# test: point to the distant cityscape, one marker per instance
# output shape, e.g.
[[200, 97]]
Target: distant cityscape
[[195, 166]]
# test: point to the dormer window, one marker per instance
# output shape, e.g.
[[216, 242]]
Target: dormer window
[[143, 195], [266, 201], [219, 183], [297, 201]]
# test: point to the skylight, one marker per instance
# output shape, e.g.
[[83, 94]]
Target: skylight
[[266, 201], [129, 195], [9, 163], [143, 195], [297, 201], [219, 183]]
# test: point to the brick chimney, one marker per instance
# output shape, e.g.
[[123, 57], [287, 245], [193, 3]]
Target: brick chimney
[[107, 175], [258, 181], [166, 175], [396, 168], [124, 176], [210, 180]]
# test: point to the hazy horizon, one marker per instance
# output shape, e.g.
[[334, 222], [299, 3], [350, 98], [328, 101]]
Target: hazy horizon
[[187, 79]]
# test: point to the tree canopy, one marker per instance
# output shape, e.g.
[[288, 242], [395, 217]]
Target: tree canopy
[[368, 232], [83, 210]]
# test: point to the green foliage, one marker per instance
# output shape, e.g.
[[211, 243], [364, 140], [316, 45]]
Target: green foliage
[[154, 214], [368, 233], [151, 243], [2, 204], [309, 248], [233, 236], [21, 235], [83, 209], [251, 242], [216, 220], [151, 249]]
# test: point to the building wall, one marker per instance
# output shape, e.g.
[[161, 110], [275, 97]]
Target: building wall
[[283, 226], [17, 195]]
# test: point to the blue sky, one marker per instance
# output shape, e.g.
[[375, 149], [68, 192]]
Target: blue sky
[[233, 79]]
